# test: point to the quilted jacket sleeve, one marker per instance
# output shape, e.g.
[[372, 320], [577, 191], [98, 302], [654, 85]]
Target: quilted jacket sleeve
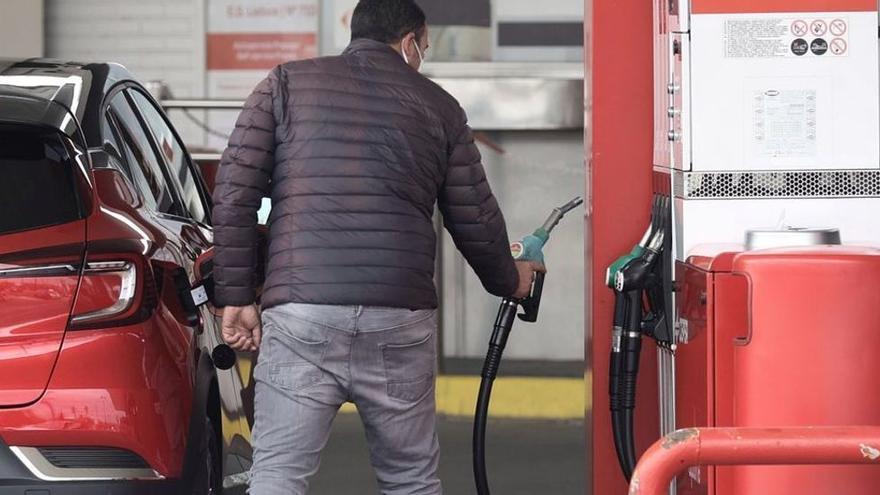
[[473, 218], [242, 182]]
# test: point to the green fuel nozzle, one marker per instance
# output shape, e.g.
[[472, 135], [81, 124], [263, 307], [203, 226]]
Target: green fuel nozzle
[[611, 273], [530, 248]]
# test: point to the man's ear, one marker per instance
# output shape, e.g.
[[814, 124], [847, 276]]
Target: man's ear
[[406, 44]]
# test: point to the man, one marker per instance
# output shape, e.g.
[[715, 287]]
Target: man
[[354, 151]]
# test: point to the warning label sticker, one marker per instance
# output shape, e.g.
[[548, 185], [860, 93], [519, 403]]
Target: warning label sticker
[[838, 46], [784, 123], [780, 37]]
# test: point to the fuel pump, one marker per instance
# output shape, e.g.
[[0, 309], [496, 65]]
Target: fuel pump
[[766, 162], [530, 248]]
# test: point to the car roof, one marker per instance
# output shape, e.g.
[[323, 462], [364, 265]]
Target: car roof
[[78, 87]]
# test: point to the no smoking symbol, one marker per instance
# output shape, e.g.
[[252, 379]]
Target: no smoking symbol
[[819, 28], [799, 28], [838, 46], [838, 27]]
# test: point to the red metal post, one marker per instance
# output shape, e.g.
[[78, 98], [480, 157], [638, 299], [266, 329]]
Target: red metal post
[[752, 446], [620, 139]]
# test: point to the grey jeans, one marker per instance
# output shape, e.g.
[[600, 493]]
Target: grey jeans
[[313, 359]]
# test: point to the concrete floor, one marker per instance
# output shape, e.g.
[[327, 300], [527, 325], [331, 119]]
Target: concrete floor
[[525, 457]]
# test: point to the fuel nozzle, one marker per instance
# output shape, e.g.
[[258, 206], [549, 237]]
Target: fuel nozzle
[[636, 275], [632, 276], [558, 213], [639, 249], [530, 248]]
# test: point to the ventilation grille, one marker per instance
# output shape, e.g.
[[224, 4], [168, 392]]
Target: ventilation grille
[[780, 185], [92, 458]]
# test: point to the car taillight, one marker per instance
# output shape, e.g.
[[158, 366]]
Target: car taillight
[[112, 292]]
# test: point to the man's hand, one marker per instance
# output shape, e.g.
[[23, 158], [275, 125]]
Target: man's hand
[[241, 327], [527, 271]]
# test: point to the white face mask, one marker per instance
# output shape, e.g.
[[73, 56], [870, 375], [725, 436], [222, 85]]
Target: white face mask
[[419, 52]]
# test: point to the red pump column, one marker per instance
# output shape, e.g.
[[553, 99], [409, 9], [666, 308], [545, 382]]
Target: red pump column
[[619, 137]]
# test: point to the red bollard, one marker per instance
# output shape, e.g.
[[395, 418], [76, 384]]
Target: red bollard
[[752, 446]]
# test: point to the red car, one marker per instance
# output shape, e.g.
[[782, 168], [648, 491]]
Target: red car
[[107, 381]]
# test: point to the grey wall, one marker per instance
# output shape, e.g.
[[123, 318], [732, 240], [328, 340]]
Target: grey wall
[[537, 171], [21, 28]]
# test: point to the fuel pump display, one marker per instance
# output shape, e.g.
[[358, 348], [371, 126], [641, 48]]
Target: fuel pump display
[[529, 248]]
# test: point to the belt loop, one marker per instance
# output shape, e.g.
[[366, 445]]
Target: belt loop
[[358, 310]]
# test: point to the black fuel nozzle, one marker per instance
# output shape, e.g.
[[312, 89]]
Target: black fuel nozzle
[[532, 303], [635, 275], [655, 323]]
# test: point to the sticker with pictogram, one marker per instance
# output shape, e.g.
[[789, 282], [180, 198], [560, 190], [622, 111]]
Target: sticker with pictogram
[[800, 47], [818, 27], [784, 37], [838, 46], [799, 28]]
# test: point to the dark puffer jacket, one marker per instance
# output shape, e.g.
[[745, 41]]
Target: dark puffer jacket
[[354, 151]]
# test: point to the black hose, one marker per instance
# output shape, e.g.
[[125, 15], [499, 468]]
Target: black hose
[[631, 350], [618, 421], [480, 418], [614, 375], [500, 332]]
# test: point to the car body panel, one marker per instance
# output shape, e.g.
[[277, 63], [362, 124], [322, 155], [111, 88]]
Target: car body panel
[[37, 289], [140, 385]]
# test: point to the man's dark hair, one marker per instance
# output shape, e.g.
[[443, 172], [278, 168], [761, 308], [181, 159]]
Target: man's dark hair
[[387, 20]]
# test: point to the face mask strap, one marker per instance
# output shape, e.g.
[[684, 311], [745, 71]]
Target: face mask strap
[[418, 51]]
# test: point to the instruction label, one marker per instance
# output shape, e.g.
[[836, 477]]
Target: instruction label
[[783, 37], [784, 123]]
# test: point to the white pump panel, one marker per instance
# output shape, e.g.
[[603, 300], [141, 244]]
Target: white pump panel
[[767, 115], [785, 91]]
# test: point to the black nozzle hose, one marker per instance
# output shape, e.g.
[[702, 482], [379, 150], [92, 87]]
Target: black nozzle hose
[[500, 332], [614, 379], [616, 361], [631, 349]]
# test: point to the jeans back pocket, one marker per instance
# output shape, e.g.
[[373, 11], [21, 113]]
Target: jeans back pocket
[[409, 368], [292, 362]]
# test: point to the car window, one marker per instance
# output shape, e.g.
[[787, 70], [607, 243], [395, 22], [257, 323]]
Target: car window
[[144, 164], [176, 158], [37, 186], [126, 157], [111, 146]]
